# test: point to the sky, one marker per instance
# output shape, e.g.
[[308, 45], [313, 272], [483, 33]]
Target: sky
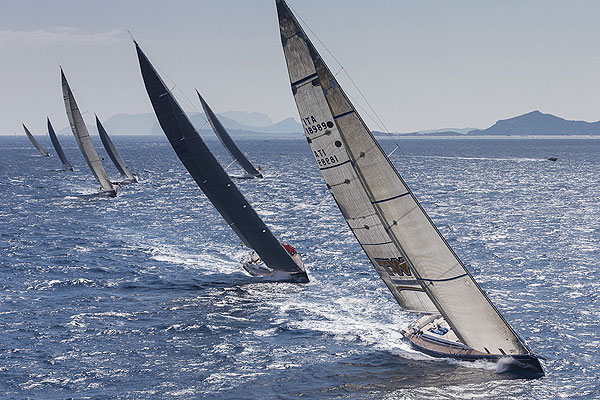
[[420, 64]]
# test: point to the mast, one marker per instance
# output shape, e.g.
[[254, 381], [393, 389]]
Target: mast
[[113, 152], [83, 137], [226, 140], [35, 142], [61, 154], [211, 177], [373, 197]]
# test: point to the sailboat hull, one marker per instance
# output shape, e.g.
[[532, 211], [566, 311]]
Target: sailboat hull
[[256, 267], [432, 336]]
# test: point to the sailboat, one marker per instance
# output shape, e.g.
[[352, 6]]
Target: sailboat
[[229, 144], [270, 258], [114, 155], [35, 142], [412, 257], [61, 154], [82, 137]]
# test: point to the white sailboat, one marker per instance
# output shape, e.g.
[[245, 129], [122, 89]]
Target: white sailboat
[[403, 244], [84, 141]]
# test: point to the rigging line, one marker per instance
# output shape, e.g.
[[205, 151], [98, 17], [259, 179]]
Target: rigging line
[[233, 162], [380, 124], [392, 152], [189, 102]]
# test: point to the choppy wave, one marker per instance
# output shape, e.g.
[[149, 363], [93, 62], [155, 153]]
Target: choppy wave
[[143, 295]]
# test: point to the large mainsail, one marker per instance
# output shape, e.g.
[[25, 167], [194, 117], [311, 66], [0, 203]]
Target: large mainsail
[[210, 175], [113, 153], [388, 221], [61, 154], [226, 140], [35, 142], [83, 137]]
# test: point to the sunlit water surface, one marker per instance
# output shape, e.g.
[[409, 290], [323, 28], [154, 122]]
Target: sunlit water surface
[[143, 295]]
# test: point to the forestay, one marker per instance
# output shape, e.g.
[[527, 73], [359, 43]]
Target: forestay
[[226, 140], [113, 153], [61, 154], [394, 230], [83, 137], [210, 176], [35, 142]]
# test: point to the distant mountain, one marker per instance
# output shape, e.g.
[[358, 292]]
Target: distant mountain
[[537, 123], [146, 124], [199, 121], [439, 132], [248, 118], [130, 124]]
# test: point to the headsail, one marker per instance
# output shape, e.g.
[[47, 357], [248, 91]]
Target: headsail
[[61, 154], [35, 142], [380, 208], [83, 137], [113, 153], [211, 177], [226, 140]]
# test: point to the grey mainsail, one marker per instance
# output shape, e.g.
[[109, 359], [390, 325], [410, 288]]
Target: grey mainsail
[[226, 140], [35, 142], [211, 177], [114, 155], [386, 218], [61, 154], [82, 137]]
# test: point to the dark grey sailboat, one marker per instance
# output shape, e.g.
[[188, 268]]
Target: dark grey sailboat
[[114, 154], [229, 144], [412, 257], [35, 142], [61, 154], [270, 258]]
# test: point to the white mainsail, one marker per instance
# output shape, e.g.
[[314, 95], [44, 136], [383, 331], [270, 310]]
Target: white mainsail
[[83, 137], [400, 239]]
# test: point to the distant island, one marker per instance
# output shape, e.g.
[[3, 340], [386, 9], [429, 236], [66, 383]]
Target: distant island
[[533, 123]]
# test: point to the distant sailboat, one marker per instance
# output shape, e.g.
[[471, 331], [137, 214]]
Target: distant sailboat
[[405, 247], [114, 154], [61, 154], [35, 142], [270, 258], [229, 144], [84, 141]]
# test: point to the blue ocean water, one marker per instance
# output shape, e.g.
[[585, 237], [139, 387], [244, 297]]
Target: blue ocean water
[[143, 295]]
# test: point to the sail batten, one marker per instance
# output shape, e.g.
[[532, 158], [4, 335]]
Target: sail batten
[[113, 153], [82, 137], [34, 141], [210, 175], [61, 154], [227, 141], [346, 150]]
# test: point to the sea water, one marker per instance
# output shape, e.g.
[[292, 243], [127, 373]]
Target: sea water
[[143, 295]]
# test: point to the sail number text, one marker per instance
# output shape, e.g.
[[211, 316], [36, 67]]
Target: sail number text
[[394, 266], [323, 159], [312, 125]]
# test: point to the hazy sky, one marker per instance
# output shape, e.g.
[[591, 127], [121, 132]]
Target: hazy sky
[[421, 64]]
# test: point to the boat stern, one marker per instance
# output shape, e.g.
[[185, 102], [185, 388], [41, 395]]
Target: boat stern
[[433, 336]]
